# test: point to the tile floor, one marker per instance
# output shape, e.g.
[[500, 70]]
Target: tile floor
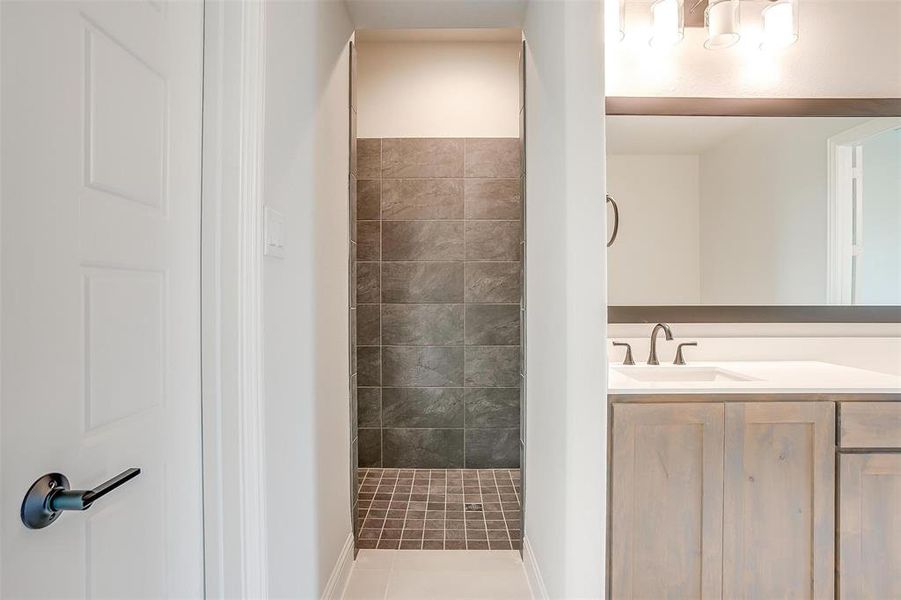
[[437, 575], [439, 509]]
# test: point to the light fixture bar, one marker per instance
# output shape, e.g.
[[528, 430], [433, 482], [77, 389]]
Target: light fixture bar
[[720, 18]]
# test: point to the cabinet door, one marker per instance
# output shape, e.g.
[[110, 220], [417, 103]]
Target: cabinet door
[[779, 535], [666, 539], [870, 526]]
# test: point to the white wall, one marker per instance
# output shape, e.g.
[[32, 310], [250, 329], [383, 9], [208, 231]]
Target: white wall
[[458, 14], [566, 427], [845, 49], [759, 244], [879, 271], [305, 295], [438, 89], [658, 197]]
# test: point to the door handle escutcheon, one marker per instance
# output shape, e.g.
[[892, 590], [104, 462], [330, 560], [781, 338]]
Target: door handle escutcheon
[[50, 495]]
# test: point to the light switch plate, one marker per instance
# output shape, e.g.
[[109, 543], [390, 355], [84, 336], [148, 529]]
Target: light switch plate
[[274, 233]]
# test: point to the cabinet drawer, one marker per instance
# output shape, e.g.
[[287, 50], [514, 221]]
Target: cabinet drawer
[[870, 425]]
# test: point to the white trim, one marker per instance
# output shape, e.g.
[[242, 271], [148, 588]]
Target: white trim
[[533, 573], [340, 577], [235, 544], [838, 210], [838, 229]]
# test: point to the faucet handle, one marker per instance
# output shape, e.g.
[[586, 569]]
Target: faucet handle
[[680, 360], [628, 359]]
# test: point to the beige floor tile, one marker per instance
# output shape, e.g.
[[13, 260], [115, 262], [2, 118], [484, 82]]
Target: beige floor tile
[[458, 560], [367, 584], [381, 560], [458, 585]]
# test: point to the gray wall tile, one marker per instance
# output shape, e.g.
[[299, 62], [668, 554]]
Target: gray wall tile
[[369, 240], [369, 165], [368, 287], [368, 325], [370, 448], [423, 448], [493, 282], [405, 366], [422, 157], [440, 222], [492, 157], [406, 282], [369, 365], [422, 240], [492, 407], [369, 406], [422, 407], [369, 203], [492, 448], [493, 198], [492, 325], [408, 199], [491, 366], [422, 324], [493, 240]]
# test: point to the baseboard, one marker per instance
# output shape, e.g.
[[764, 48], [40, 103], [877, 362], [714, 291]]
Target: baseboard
[[536, 583], [337, 581]]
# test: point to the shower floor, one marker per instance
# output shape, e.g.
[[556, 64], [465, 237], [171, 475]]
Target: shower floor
[[439, 509]]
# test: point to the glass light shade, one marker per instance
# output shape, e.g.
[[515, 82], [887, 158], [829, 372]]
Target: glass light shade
[[666, 23], [780, 25], [722, 21], [615, 19]]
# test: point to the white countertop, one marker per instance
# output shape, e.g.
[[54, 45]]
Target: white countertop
[[771, 377]]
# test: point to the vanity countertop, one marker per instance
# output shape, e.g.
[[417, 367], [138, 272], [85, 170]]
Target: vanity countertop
[[755, 377]]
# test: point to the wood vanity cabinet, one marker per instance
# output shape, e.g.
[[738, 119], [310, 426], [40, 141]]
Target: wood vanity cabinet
[[869, 527], [723, 500], [779, 516], [667, 482]]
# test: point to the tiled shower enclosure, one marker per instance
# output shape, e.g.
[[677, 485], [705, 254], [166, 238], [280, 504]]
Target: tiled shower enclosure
[[438, 296]]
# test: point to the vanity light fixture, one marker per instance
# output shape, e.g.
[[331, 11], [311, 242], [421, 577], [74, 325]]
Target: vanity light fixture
[[666, 23], [722, 21], [615, 18], [780, 24], [720, 18]]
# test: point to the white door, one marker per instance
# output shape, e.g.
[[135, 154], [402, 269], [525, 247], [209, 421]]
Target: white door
[[101, 117]]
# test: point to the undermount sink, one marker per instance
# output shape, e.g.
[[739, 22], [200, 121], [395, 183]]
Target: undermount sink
[[664, 373]]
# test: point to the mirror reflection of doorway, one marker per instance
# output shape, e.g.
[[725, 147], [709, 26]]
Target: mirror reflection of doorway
[[865, 214]]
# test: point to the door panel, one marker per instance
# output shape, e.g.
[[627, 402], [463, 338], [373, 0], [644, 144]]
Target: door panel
[[870, 526], [101, 113], [779, 500], [667, 501]]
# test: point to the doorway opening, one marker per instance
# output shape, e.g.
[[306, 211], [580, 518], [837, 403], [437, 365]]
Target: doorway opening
[[865, 214], [436, 277]]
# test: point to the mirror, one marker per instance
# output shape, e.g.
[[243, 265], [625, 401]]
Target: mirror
[[755, 211]]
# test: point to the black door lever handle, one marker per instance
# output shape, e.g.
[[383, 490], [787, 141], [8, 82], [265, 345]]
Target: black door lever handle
[[50, 495]]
